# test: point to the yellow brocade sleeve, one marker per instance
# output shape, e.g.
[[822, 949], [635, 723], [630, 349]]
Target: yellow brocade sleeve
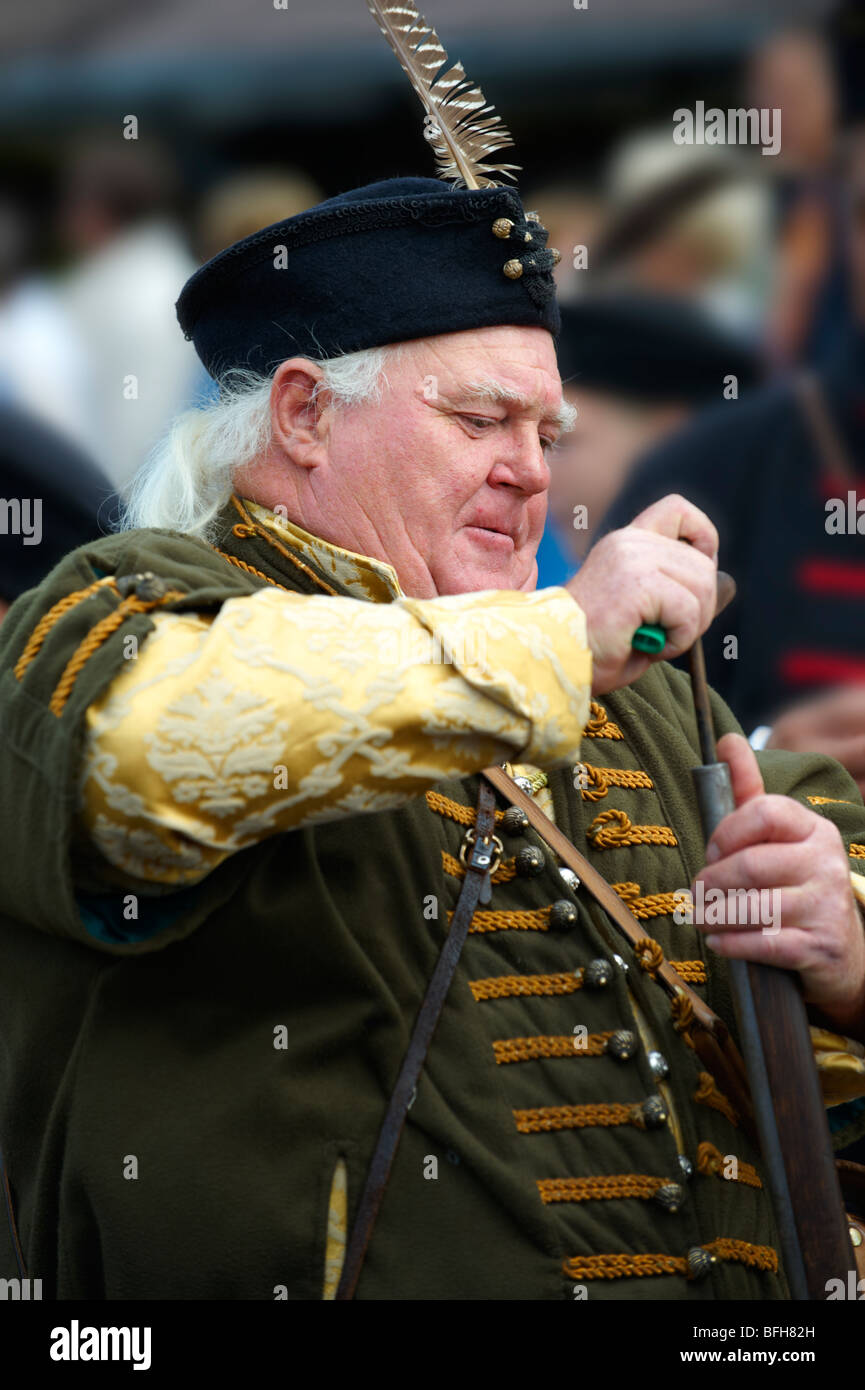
[[286, 709], [840, 1065]]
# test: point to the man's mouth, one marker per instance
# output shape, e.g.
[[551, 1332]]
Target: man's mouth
[[492, 537]]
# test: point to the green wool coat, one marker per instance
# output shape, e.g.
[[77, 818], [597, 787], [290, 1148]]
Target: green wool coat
[[162, 1047]]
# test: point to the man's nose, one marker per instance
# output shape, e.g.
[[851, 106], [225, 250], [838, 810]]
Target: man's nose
[[521, 463]]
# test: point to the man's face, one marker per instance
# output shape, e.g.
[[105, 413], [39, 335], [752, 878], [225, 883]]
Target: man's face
[[444, 477]]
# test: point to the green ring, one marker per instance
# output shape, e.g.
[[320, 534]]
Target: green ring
[[649, 639]]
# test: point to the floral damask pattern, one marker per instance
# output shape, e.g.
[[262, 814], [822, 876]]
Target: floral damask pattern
[[279, 712]]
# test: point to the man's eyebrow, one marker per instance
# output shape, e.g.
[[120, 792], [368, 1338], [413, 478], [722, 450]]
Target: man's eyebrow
[[489, 389]]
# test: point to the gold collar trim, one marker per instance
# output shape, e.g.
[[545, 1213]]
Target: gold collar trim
[[360, 575]]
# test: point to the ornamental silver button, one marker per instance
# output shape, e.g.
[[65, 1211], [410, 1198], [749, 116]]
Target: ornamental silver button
[[622, 1044], [563, 915], [686, 1166], [529, 861], [700, 1262], [670, 1196], [659, 1065], [570, 878], [598, 973], [654, 1112], [524, 785], [622, 964], [514, 821]]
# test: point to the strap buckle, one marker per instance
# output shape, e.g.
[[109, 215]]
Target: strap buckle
[[486, 854]]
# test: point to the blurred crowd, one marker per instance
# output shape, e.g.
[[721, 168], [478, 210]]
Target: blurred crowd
[[712, 342]]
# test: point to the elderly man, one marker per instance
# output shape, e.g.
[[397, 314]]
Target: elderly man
[[240, 770]]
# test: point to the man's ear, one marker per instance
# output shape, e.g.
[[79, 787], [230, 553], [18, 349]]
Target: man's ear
[[299, 411]]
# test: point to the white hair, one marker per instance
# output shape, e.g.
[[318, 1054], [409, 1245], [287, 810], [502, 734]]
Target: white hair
[[488, 388], [187, 480]]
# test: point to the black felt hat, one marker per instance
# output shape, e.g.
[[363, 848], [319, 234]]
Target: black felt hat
[[649, 347], [400, 259]]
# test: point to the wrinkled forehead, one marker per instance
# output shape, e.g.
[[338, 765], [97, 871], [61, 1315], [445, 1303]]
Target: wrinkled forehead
[[503, 365]]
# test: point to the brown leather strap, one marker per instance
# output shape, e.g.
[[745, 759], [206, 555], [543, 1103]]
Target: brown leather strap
[[477, 870], [599, 889], [710, 1035]]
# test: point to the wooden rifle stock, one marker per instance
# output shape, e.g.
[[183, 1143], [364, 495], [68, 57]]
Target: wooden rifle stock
[[785, 1089]]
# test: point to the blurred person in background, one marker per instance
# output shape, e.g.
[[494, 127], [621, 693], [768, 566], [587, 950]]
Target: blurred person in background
[[235, 207], [782, 474], [43, 366], [691, 221], [54, 500], [130, 259], [792, 72], [575, 214], [636, 366], [244, 202]]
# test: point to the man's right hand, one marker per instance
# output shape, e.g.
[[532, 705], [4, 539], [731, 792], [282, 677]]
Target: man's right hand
[[643, 574]]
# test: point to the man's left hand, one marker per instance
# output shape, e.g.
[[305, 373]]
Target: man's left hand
[[773, 842]]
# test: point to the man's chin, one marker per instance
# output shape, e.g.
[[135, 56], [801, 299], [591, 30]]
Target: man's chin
[[469, 573]]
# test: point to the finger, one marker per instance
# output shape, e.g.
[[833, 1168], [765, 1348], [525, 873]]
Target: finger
[[676, 517], [745, 774], [788, 950], [694, 572], [758, 866], [676, 609], [761, 820], [767, 909]]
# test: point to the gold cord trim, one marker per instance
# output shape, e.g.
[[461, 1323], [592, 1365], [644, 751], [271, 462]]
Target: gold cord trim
[[599, 725], [530, 1049], [263, 532], [514, 986], [54, 614], [827, 800], [650, 955], [606, 1188], [614, 830], [856, 851], [96, 636], [711, 1161], [693, 972], [761, 1257], [682, 1011], [707, 1093], [551, 1117], [454, 810], [653, 905], [602, 778], [250, 569], [534, 919]]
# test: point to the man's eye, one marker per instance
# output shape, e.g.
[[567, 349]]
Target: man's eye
[[479, 421]]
